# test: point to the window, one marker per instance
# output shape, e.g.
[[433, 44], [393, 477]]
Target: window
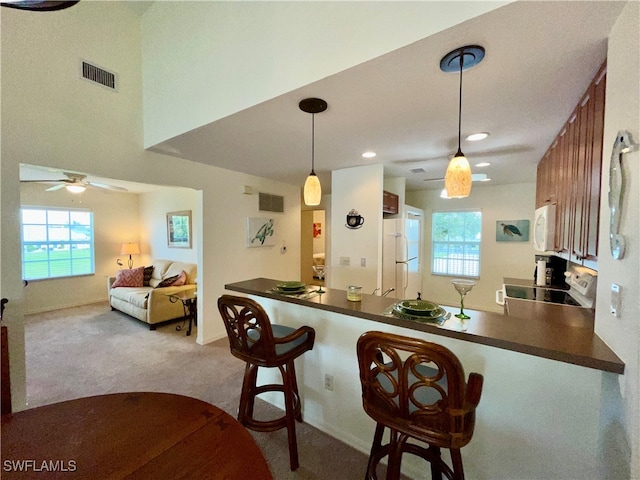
[[56, 243], [456, 243]]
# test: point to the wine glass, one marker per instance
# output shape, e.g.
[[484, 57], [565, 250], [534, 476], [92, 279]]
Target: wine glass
[[463, 287], [320, 271]]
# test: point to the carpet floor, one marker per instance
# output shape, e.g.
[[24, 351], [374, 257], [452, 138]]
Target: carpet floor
[[91, 350]]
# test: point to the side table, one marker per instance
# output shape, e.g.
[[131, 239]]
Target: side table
[[189, 299]]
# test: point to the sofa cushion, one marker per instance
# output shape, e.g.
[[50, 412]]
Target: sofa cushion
[[129, 278], [135, 296], [148, 271], [160, 268]]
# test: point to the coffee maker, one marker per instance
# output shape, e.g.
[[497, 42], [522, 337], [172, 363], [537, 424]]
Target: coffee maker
[[549, 271]]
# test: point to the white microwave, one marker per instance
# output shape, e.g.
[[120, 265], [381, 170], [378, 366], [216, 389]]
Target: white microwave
[[544, 227]]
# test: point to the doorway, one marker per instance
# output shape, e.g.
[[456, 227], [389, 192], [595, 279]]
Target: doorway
[[312, 244]]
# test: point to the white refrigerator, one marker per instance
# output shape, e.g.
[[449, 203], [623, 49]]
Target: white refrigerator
[[402, 254]]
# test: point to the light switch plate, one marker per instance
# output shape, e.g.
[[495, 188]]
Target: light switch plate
[[345, 261], [616, 300]]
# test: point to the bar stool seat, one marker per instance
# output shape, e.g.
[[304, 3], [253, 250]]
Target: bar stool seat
[[253, 339], [417, 390]]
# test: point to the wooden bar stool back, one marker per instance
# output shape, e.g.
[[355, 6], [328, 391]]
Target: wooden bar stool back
[[417, 390], [253, 339]]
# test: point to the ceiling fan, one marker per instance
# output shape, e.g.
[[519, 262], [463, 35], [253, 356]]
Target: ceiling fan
[[76, 183]]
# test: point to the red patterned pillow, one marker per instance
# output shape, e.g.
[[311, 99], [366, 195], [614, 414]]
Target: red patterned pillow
[[129, 278]]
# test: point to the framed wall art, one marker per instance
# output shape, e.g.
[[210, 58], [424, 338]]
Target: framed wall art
[[260, 232], [512, 231], [179, 229]]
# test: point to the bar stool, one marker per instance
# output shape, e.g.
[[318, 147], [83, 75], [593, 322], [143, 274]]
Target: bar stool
[[255, 340], [423, 397]]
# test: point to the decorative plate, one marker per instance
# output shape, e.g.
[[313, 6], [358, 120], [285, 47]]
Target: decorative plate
[[418, 307], [289, 292], [290, 286]]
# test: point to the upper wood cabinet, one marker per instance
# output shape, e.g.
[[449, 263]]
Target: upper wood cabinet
[[569, 175], [389, 202]]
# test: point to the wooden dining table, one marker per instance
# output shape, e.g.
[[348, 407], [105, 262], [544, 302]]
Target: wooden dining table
[[136, 435]]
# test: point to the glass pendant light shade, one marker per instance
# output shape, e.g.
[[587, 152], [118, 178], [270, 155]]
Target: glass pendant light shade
[[312, 190], [457, 179]]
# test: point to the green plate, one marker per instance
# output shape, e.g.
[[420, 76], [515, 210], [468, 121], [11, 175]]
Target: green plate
[[290, 286], [418, 307]]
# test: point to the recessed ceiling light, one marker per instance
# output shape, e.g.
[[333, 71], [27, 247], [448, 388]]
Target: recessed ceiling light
[[369, 154], [474, 137], [483, 164]]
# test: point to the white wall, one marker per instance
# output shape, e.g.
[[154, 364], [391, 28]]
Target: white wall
[[498, 259], [358, 188], [62, 121], [217, 58], [620, 416], [116, 221], [154, 207]]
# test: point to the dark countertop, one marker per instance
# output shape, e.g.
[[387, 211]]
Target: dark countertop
[[545, 337]]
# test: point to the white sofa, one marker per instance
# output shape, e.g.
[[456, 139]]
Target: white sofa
[[150, 304]]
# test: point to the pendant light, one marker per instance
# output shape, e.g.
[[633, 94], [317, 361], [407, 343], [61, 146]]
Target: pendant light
[[312, 188], [457, 179]]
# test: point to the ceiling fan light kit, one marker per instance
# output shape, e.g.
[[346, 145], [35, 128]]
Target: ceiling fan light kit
[[457, 179], [75, 188], [312, 188]]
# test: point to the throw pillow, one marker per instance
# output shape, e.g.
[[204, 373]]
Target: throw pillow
[[174, 281], [148, 271], [129, 278], [167, 282], [181, 280]]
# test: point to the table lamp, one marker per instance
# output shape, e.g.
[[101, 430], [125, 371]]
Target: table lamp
[[130, 248]]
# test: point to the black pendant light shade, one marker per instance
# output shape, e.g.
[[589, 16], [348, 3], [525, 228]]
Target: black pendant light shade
[[312, 188], [457, 180]]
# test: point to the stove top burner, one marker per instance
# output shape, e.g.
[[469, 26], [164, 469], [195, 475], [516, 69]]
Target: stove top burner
[[540, 294]]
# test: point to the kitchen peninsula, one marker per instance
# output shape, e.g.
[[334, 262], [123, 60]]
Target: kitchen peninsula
[[549, 337], [542, 390]]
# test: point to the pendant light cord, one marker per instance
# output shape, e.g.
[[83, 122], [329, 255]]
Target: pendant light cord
[[313, 142], [460, 102]]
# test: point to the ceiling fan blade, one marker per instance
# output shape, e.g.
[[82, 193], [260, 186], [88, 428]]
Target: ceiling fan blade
[[105, 186], [46, 181], [56, 187]]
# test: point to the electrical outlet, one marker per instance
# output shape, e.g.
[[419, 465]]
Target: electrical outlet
[[363, 262], [328, 382]]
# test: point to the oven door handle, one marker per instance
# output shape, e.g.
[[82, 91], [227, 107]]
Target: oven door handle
[[500, 296]]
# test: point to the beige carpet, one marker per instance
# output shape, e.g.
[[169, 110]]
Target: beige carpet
[[91, 350]]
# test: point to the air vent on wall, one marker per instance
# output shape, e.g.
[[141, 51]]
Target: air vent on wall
[[270, 203], [99, 75]]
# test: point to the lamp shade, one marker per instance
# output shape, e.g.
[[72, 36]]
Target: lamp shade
[[130, 248], [312, 190], [457, 179]]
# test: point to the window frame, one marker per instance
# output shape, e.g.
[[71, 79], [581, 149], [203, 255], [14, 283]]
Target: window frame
[[86, 262], [465, 244]]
